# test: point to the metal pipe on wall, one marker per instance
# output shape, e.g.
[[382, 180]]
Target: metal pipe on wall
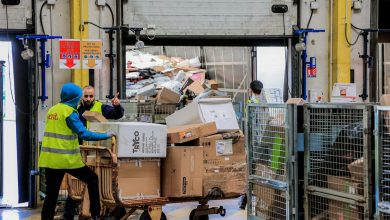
[[121, 82]]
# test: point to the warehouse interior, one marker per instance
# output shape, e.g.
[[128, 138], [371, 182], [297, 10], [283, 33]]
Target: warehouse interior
[[220, 109]]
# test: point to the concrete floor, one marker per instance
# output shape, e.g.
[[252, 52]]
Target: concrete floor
[[178, 211]]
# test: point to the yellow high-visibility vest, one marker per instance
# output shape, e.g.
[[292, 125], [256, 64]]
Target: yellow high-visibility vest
[[60, 146]]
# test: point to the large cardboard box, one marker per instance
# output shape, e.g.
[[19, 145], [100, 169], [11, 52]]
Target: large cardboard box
[[345, 184], [356, 169], [219, 151], [139, 179], [341, 210], [219, 110], [225, 164], [187, 133], [167, 96], [183, 172], [137, 139]]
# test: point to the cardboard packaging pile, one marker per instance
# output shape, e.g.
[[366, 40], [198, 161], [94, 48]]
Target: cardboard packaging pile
[[164, 78], [200, 162]]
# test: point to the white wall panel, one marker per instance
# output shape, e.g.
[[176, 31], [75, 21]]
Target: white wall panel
[[17, 15], [204, 17]]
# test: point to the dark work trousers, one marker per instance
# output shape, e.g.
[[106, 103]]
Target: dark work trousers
[[53, 183]]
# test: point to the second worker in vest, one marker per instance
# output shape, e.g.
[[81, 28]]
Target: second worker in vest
[[88, 103], [60, 151]]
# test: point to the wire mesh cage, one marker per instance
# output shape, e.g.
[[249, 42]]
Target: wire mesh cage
[[271, 149], [338, 153], [382, 158], [268, 203], [329, 208]]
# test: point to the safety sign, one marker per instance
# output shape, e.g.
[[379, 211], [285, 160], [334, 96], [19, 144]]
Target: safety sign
[[91, 52], [69, 54]]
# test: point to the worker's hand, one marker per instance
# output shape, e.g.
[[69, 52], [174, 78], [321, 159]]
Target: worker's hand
[[115, 101], [110, 133]]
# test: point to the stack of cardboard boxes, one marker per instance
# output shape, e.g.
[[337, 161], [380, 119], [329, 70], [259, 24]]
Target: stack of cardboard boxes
[[200, 162], [206, 156], [139, 148], [199, 159]]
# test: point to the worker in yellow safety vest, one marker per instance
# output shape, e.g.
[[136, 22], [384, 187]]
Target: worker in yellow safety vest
[[88, 103], [255, 95], [60, 151]]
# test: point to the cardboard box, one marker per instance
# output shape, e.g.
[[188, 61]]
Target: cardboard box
[[139, 179], [136, 139], [225, 164], [345, 184], [213, 84], [296, 101], [219, 110], [167, 96], [231, 179], [94, 116], [356, 169], [187, 133], [219, 152], [341, 210], [183, 172], [196, 87]]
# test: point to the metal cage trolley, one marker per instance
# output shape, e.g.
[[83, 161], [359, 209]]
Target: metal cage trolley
[[145, 111], [338, 161], [272, 171], [382, 160]]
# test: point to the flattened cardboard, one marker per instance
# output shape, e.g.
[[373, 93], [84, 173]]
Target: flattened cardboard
[[167, 96], [196, 87], [183, 172], [269, 202], [342, 210], [296, 101], [187, 133], [356, 169], [139, 179], [94, 116], [345, 184]]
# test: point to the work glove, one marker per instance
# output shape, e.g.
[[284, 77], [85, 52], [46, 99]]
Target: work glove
[[110, 133]]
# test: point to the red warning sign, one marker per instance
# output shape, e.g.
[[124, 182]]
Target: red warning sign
[[69, 54], [311, 72]]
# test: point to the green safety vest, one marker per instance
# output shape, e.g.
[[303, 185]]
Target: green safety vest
[[60, 146], [97, 107]]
